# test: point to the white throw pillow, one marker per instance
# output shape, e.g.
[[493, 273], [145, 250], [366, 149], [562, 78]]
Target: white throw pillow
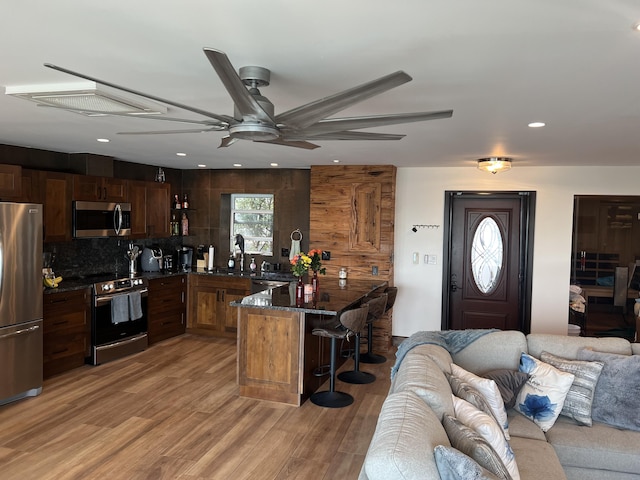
[[489, 390], [488, 429], [542, 397]]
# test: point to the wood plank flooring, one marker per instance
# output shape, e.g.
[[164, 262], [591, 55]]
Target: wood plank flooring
[[173, 412]]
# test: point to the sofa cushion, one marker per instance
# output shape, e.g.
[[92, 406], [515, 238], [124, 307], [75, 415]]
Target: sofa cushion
[[577, 404], [489, 429], [420, 374], [402, 445], [509, 383], [489, 390], [599, 446], [521, 426], [567, 347], [492, 351], [543, 395], [536, 459], [474, 445], [454, 465], [617, 396]]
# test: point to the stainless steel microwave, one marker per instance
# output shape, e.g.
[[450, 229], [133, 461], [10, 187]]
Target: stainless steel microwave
[[101, 219]]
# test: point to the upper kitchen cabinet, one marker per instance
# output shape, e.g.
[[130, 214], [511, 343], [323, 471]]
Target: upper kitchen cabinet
[[149, 209], [105, 189], [10, 182], [56, 189]]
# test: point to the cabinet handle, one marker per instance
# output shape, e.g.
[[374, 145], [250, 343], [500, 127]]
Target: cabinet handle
[[105, 193], [60, 351], [63, 322], [58, 300]]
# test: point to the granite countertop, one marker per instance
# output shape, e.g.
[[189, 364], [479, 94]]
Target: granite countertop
[[86, 281], [333, 296]]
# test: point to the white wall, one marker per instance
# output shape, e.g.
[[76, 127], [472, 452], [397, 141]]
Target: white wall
[[420, 200]]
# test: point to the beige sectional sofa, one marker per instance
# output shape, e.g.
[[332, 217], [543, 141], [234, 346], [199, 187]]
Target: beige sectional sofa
[[410, 422]]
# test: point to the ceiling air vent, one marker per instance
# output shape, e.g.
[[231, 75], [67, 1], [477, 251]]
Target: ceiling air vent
[[86, 98]]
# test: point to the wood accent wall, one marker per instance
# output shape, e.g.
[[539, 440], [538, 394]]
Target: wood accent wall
[[352, 215]]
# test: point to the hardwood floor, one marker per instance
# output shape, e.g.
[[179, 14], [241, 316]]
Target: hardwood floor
[[173, 412]]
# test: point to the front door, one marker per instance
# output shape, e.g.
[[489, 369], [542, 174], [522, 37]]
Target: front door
[[487, 274]]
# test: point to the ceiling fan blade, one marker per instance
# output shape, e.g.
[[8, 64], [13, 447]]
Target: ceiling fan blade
[[292, 143], [220, 118], [355, 123], [305, 115], [161, 132], [246, 105], [227, 141], [345, 135]]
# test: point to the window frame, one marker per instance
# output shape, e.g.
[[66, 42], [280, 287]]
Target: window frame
[[233, 211]]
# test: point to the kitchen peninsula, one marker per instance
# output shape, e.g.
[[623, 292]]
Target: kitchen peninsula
[[277, 352]]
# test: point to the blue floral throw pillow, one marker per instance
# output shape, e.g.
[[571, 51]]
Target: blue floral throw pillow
[[542, 397]]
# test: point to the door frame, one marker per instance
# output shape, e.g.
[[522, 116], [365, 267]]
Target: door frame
[[527, 224]]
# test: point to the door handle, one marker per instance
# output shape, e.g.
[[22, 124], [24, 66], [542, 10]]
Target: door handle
[[453, 286]]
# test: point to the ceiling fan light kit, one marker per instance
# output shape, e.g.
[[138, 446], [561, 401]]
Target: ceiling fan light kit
[[254, 115], [494, 164]]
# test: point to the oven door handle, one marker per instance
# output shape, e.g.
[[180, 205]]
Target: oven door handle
[[107, 298]]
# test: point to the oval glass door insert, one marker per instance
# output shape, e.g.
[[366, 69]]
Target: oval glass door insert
[[487, 255]]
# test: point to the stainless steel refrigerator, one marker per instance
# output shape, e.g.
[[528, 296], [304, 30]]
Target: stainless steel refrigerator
[[20, 301]]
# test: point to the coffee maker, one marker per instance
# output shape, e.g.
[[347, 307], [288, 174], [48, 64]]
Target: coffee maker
[[185, 258]]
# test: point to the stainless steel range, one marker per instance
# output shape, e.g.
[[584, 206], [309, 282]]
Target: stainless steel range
[[119, 318]]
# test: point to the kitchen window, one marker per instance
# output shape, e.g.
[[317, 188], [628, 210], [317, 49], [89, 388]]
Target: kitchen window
[[252, 217]]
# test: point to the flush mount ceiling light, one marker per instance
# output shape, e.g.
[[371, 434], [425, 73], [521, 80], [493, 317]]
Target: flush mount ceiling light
[[86, 98], [536, 124], [494, 164]]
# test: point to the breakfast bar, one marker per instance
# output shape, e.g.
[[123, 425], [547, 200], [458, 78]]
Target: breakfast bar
[[277, 353]]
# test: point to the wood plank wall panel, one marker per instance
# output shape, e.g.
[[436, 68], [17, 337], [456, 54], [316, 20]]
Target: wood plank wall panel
[[333, 221]]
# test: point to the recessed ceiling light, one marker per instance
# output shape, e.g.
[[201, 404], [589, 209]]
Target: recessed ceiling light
[[274, 164], [201, 165], [103, 140], [537, 124], [180, 154], [636, 26], [336, 161], [237, 164]]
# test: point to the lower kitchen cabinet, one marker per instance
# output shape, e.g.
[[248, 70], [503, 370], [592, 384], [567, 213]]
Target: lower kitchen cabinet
[[66, 330], [167, 307], [209, 298]]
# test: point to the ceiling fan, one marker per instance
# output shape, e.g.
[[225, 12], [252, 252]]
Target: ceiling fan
[[254, 118]]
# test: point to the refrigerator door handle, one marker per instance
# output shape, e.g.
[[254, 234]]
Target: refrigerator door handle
[[19, 332]]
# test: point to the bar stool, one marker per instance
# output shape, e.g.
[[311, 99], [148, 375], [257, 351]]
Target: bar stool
[[351, 321], [378, 306], [356, 376]]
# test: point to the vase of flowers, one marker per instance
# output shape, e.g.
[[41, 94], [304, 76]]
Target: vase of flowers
[[316, 267], [299, 266]]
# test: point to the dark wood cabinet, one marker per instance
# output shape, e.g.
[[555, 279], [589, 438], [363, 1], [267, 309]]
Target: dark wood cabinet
[[209, 298], [66, 331], [149, 209], [10, 182], [105, 189], [56, 189], [167, 307]]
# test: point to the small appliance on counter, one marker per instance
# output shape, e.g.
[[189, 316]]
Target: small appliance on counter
[[168, 263], [185, 258], [151, 259]]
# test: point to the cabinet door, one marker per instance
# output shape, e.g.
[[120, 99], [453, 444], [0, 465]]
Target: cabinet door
[[114, 190], [167, 307], [157, 209], [10, 182], [87, 188], [57, 206], [138, 200], [229, 313], [204, 308]]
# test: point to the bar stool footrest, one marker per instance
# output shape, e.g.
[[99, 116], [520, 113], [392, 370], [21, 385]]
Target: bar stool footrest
[[322, 370]]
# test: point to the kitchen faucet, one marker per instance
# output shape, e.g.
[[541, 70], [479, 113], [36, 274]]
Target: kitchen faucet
[[240, 243]]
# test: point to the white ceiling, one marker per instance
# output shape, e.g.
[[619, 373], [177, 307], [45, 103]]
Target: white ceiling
[[499, 64]]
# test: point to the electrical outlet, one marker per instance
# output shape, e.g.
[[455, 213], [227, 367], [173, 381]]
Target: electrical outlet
[[416, 258], [326, 255], [433, 259], [374, 270], [284, 252]]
